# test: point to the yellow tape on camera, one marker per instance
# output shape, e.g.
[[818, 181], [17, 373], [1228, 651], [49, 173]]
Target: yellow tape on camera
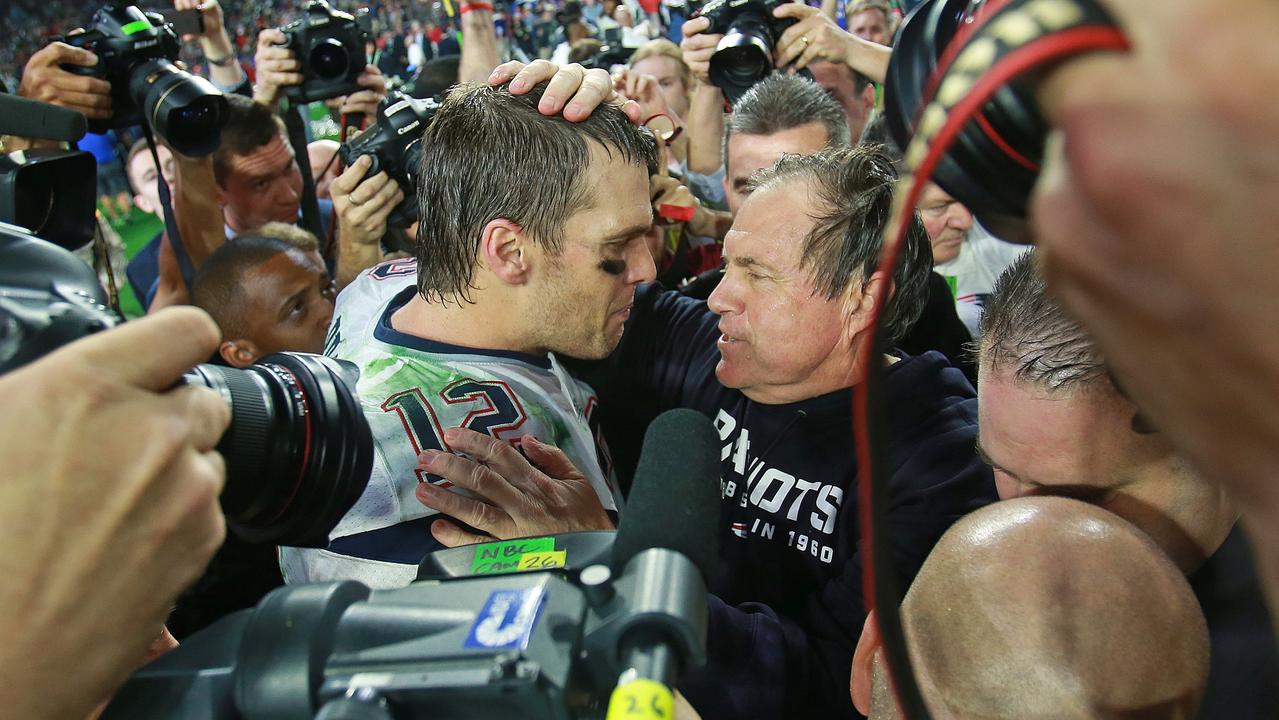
[[641, 699], [542, 560]]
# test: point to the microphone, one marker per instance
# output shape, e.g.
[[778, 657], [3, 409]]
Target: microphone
[[39, 121], [666, 544]]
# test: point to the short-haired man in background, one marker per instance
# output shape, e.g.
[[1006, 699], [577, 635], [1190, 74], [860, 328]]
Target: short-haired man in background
[[964, 253], [782, 114], [869, 20], [1052, 422], [267, 295]]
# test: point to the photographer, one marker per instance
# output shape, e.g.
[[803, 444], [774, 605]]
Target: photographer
[[224, 67], [92, 568], [278, 67], [843, 64]]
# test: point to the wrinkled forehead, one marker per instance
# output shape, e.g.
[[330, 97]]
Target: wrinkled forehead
[[272, 158]]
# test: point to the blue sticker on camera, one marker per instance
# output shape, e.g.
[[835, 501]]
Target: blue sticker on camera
[[507, 619]]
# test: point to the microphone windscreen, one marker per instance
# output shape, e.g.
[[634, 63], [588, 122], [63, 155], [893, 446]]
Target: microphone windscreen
[[33, 119], [675, 498]]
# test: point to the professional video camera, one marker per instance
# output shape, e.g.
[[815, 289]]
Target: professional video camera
[[745, 55], [330, 48], [136, 52], [298, 450], [394, 144], [534, 645]]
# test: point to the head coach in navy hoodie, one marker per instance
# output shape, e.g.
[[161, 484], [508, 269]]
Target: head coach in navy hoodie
[[770, 359]]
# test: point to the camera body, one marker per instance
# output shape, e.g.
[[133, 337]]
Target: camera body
[[136, 53], [330, 49], [298, 449], [394, 144], [745, 55], [609, 57]]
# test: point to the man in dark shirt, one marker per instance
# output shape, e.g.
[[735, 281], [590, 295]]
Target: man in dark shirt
[[1053, 423], [771, 361]]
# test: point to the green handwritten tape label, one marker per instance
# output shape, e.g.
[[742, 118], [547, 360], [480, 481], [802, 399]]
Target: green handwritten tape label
[[505, 556], [135, 26]]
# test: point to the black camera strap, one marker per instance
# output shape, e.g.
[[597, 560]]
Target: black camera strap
[[293, 122], [170, 224]]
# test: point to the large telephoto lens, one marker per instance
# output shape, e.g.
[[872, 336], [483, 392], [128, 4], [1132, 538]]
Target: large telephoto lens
[[298, 451], [743, 57], [185, 109]]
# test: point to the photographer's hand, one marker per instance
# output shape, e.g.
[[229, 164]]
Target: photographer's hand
[[276, 65], [109, 490], [645, 90], [43, 79], [365, 101], [362, 208], [542, 495], [816, 37], [573, 90], [215, 43], [666, 190], [698, 47]]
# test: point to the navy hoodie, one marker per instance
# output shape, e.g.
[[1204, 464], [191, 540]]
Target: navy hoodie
[[787, 607]]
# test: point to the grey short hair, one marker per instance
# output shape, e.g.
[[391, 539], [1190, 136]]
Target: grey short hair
[[854, 187], [784, 102], [1026, 330], [489, 154]]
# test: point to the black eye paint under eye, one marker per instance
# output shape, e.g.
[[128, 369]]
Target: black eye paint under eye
[[613, 267]]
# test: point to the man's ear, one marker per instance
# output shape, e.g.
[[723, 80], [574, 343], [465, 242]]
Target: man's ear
[[867, 99], [239, 353], [857, 304], [864, 663], [505, 251]]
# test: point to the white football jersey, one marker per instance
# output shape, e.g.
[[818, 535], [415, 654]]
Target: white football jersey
[[412, 389]]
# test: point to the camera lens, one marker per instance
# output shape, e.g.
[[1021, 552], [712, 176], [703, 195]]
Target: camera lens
[[742, 58], [329, 59], [298, 451], [186, 110]]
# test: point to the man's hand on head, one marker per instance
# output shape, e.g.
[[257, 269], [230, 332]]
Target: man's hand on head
[[537, 493], [44, 79], [572, 91]]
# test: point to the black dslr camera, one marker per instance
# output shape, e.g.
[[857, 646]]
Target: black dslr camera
[[330, 49], [298, 450], [394, 144], [136, 51], [745, 55]]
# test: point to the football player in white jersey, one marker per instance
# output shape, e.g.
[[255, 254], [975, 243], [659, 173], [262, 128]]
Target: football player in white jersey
[[530, 244]]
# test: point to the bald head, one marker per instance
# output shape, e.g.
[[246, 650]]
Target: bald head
[[1050, 608]]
